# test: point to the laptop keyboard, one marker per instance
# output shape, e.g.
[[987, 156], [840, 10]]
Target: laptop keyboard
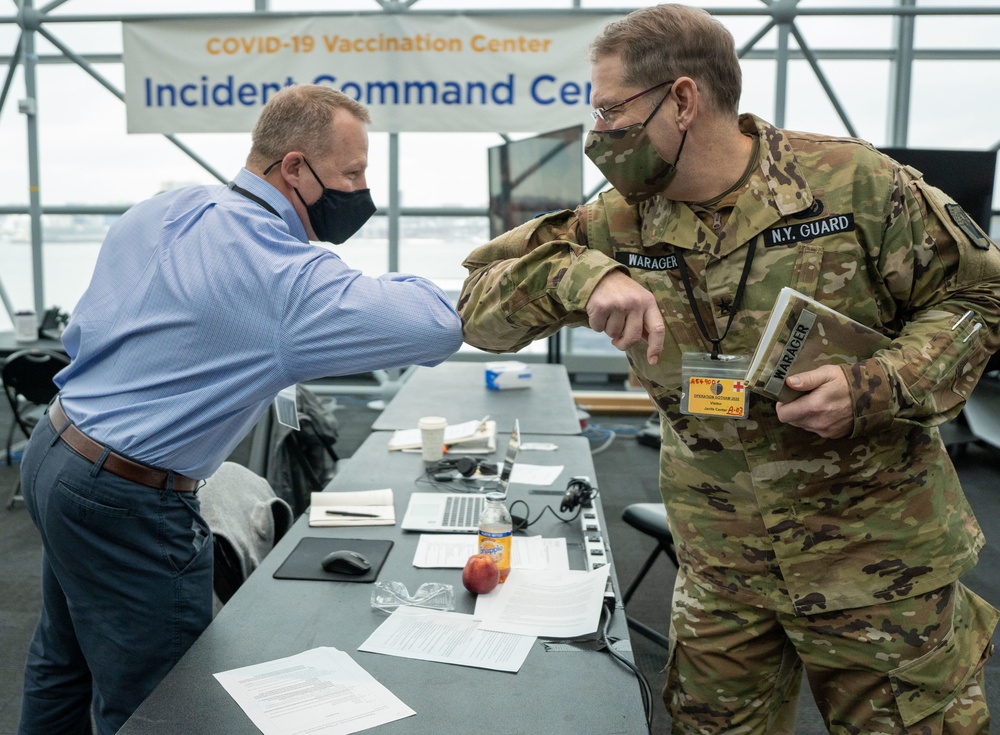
[[462, 512]]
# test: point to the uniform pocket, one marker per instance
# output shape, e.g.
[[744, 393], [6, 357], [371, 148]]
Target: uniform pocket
[[925, 685]]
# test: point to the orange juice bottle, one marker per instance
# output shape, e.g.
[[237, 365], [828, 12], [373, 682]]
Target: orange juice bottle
[[495, 532]]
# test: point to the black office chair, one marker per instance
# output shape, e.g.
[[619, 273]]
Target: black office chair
[[650, 519], [27, 382]]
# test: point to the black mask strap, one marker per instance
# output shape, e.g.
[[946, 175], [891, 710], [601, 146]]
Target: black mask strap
[[253, 197]]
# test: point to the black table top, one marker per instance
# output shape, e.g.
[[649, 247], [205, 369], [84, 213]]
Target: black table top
[[575, 691], [457, 391]]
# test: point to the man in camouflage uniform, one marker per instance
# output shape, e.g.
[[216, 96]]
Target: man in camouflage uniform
[[828, 532]]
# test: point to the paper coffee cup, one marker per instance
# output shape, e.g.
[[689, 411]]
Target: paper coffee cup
[[432, 437], [25, 326]]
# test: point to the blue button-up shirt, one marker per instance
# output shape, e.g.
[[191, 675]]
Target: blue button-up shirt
[[203, 305]]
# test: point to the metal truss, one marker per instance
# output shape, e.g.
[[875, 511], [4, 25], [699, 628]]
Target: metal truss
[[779, 16]]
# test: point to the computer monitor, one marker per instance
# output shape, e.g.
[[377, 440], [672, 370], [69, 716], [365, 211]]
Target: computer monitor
[[966, 176], [535, 175]]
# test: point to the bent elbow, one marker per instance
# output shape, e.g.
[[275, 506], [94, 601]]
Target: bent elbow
[[445, 339]]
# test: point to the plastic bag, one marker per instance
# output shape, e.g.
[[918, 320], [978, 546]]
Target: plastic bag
[[388, 596]]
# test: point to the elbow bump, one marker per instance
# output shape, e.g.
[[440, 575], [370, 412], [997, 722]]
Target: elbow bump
[[453, 336]]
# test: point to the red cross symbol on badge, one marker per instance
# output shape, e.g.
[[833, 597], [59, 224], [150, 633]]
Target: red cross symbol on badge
[[738, 386]]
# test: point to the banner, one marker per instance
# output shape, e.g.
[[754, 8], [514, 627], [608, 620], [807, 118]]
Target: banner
[[416, 73]]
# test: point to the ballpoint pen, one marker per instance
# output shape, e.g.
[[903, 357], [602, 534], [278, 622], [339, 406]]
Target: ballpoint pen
[[964, 316], [351, 514]]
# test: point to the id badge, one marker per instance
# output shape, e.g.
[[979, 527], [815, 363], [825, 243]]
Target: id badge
[[714, 387], [286, 408]]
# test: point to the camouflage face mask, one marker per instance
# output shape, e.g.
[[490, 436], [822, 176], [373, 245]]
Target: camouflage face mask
[[630, 162]]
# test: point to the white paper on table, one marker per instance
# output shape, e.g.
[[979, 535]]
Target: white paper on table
[[452, 550], [547, 604], [535, 474], [447, 637], [556, 555], [322, 691], [485, 604]]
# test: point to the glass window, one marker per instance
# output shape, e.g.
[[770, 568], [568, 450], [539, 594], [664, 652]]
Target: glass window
[[87, 158]]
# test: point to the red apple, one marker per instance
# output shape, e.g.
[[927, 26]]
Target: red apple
[[481, 574]]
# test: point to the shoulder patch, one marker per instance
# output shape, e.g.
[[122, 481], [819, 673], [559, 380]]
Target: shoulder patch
[[967, 225]]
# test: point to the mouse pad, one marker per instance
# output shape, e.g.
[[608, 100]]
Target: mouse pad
[[305, 561]]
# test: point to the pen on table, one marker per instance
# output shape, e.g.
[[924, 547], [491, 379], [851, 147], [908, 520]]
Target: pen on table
[[351, 514]]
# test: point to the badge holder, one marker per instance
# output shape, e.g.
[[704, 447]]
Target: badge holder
[[714, 386]]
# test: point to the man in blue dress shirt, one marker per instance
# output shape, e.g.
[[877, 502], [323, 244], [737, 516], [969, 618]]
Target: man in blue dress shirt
[[204, 304]]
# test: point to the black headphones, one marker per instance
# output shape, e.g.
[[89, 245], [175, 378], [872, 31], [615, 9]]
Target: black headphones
[[465, 466], [579, 491]]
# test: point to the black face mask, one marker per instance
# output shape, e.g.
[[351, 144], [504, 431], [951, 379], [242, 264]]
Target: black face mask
[[336, 215]]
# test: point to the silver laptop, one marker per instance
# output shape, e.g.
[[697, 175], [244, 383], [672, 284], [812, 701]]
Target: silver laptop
[[459, 512]]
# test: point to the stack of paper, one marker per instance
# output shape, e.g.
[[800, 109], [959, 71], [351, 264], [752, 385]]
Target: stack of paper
[[360, 508], [472, 437], [500, 635]]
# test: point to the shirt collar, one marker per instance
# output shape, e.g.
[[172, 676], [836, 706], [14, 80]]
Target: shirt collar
[[258, 186], [777, 184]]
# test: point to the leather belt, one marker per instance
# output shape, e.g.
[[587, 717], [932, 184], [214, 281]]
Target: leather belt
[[115, 463]]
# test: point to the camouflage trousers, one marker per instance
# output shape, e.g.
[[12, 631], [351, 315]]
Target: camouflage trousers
[[912, 666]]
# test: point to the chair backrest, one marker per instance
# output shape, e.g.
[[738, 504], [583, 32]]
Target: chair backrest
[[27, 377]]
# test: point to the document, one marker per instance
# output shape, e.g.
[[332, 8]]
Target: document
[[452, 550], [359, 508], [535, 474], [447, 637], [469, 437], [801, 334], [322, 691], [546, 604]]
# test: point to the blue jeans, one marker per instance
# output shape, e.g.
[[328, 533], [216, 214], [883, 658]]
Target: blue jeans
[[126, 588]]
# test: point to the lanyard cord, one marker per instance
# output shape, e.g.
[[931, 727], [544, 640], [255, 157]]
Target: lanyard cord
[[253, 197], [716, 342]]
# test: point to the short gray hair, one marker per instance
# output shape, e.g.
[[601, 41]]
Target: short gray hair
[[299, 118], [669, 41]]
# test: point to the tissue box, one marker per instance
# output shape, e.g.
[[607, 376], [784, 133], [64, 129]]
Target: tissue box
[[505, 375]]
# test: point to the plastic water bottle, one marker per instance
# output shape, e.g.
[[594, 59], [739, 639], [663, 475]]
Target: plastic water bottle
[[495, 532]]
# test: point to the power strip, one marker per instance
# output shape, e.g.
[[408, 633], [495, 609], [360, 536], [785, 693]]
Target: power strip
[[594, 549], [593, 539]]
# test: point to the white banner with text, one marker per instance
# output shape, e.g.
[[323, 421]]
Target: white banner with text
[[416, 73]]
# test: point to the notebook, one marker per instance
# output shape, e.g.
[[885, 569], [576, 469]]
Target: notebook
[[459, 512]]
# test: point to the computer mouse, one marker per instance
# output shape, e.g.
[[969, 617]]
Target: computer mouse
[[346, 561]]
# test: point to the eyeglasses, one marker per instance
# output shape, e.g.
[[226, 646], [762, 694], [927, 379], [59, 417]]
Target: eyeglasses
[[601, 112]]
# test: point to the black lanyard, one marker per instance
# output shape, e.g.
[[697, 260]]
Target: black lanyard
[[717, 341], [253, 197]]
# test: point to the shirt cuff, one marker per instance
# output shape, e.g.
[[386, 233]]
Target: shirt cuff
[[871, 396]]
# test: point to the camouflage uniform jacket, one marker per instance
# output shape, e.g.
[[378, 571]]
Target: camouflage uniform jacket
[[762, 511]]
